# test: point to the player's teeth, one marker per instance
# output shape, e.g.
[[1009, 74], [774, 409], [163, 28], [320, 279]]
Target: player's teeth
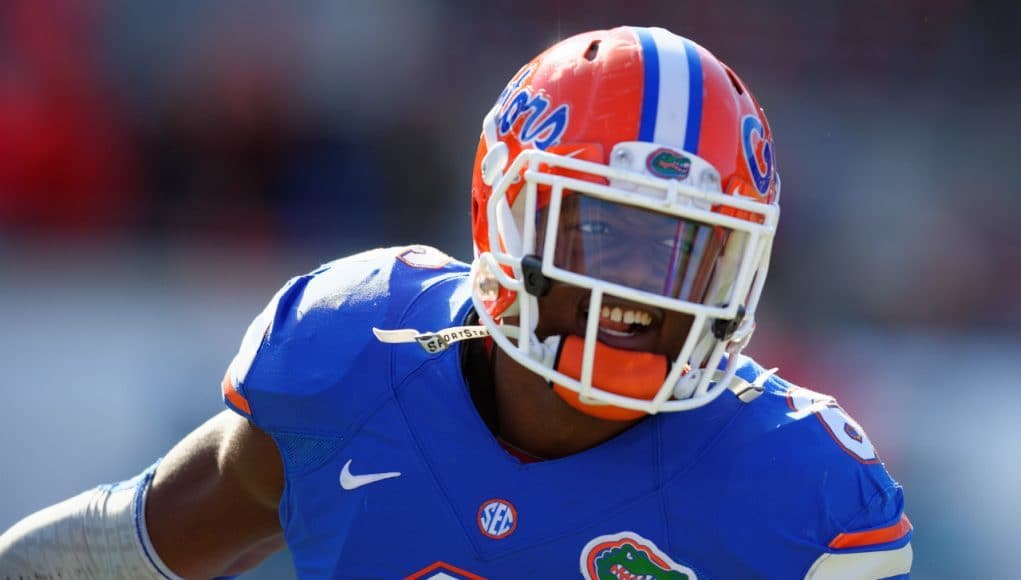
[[618, 314]]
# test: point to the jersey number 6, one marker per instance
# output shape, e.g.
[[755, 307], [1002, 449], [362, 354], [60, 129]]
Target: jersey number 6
[[842, 428]]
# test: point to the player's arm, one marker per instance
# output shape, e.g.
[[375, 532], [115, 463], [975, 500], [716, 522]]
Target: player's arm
[[212, 507], [209, 509]]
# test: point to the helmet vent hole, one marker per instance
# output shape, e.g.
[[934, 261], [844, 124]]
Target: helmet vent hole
[[593, 50], [734, 80]]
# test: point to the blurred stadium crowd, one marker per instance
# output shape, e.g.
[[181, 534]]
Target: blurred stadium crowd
[[138, 139]]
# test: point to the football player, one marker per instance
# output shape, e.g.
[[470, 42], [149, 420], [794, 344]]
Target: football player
[[573, 403]]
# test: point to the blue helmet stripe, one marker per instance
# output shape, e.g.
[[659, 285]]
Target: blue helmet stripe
[[694, 127], [650, 92]]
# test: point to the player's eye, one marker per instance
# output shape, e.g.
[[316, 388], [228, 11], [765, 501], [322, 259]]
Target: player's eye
[[595, 228]]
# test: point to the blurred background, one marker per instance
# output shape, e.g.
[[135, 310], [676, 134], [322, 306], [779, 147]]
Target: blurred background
[[165, 167]]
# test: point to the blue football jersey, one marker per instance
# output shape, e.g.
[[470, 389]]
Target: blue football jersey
[[391, 472]]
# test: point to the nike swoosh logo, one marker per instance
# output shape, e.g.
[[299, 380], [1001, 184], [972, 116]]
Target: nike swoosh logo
[[349, 481]]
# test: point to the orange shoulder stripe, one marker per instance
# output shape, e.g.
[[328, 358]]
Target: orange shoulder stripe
[[873, 537], [231, 393]]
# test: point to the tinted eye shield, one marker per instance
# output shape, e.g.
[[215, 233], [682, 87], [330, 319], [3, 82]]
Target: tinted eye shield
[[693, 210], [633, 247]]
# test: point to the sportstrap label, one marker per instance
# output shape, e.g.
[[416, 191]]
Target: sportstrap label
[[431, 342]]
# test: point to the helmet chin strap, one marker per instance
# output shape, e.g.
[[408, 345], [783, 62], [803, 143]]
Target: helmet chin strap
[[623, 372], [688, 382]]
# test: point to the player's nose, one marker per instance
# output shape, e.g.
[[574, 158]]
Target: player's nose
[[634, 265]]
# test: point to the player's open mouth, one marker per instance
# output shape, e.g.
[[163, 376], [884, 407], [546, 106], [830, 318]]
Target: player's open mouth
[[617, 321], [620, 323]]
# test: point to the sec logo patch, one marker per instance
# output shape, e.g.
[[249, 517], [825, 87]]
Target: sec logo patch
[[497, 518], [628, 555]]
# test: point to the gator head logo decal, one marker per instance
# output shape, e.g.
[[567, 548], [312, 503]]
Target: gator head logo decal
[[628, 556], [668, 164]]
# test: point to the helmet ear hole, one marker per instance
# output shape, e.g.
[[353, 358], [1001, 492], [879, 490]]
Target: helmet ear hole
[[593, 50]]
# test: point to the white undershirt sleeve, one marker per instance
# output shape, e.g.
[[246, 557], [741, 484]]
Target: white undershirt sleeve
[[100, 533]]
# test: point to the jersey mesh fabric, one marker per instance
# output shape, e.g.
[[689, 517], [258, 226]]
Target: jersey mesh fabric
[[304, 453]]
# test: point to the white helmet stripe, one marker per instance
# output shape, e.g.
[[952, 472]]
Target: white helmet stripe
[[672, 105]]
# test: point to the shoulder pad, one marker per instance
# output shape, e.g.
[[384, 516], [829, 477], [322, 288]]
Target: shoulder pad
[[802, 468], [309, 361]]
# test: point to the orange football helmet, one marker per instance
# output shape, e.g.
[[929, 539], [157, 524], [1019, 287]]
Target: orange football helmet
[[634, 164]]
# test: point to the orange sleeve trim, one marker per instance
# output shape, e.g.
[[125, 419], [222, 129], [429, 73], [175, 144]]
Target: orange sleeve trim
[[873, 537], [232, 395]]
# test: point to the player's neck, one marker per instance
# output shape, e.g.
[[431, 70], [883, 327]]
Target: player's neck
[[532, 417]]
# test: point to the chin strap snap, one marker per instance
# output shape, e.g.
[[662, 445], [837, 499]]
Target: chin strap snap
[[536, 283]]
